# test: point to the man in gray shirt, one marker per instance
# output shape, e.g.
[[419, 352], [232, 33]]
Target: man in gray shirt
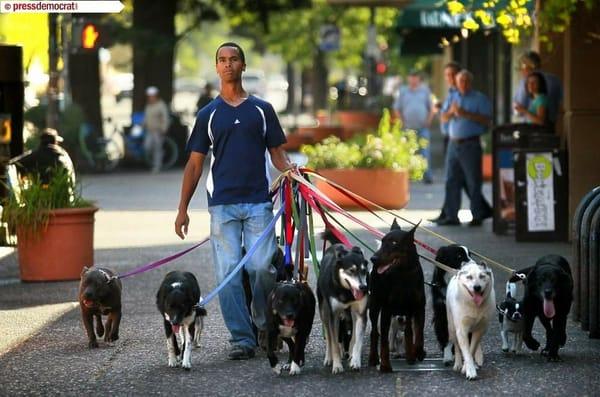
[[413, 108]]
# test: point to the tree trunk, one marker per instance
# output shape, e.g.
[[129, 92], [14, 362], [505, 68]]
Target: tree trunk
[[319, 81], [153, 49]]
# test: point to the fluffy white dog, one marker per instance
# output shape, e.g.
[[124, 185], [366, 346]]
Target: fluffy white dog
[[470, 304]]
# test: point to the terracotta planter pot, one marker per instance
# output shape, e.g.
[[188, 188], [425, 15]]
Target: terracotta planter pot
[[357, 121], [321, 132], [486, 167], [295, 140], [60, 251], [387, 188]]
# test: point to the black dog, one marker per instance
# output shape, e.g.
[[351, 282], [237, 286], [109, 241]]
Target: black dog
[[290, 314], [397, 289], [100, 293], [342, 289], [548, 295], [453, 256], [177, 300]]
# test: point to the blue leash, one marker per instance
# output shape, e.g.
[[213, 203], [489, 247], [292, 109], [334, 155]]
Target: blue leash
[[213, 293]]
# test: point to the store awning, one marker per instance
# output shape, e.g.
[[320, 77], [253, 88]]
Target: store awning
[[423, 23]]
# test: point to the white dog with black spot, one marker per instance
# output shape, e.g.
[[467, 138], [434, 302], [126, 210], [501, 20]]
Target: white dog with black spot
[[470, 304]]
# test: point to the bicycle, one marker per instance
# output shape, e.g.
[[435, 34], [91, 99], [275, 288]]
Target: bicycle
[[102, 154], [134, 138]]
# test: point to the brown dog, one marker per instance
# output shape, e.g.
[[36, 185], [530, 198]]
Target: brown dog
[[100, 294]]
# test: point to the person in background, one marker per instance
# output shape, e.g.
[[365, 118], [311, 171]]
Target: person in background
[[45, 159], [531, 62], [156, 124], [205, 98], [414, 109], [450, 71], [242, 131], [469, 115], [537, 112]]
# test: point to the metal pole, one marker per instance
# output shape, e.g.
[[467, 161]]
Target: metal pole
[[52, 91]]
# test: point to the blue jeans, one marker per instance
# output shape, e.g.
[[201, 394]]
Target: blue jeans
[[231, 227], [463, 168], [426, 152]]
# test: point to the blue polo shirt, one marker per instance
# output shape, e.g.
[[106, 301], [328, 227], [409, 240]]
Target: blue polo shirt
[[239, 137], [445, 106], [473, 102]]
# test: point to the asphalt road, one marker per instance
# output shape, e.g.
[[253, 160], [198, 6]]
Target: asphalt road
[[43, 348]]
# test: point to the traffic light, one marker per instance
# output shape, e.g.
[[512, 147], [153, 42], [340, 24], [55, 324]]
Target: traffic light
[[380, 67], [89, 36]]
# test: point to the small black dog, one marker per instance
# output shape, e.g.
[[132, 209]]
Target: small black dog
[[397, 289], [177, 300], [511, 320], [548, 295], [452, 255], [100, 294], [290, 314]]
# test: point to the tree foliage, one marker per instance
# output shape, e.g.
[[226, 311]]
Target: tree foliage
[[516, 17]]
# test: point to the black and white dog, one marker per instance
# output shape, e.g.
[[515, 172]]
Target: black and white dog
[[290, 313], [177, 300], [510, 315], [453, 256], [342, 288]]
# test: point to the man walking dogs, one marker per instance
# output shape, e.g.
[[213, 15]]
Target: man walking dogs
[[242, 130]]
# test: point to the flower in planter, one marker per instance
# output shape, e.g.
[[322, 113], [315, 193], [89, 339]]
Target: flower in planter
[[389, 147]]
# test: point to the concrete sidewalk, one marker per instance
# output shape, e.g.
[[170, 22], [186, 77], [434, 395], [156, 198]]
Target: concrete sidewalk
[[43, 348]]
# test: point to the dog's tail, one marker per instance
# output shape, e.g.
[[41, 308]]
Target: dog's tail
[[438, 299]]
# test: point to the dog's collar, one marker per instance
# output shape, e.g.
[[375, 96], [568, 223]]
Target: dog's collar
[[109, 278]]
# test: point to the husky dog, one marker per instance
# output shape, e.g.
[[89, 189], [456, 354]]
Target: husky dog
[[342, 287], [510, 315], [470, 304]]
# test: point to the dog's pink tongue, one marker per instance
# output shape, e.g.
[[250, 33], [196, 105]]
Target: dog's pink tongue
[[477, 298], [175, 328], [382, 269], [358, 294], [288, 322], [549, 308]]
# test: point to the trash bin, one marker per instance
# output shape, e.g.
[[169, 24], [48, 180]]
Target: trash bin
[[506, 139], [541, 194]]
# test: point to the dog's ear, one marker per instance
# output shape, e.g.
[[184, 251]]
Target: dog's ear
[[442, 255], [414, 229], [395, 226], [84, 270], [357, 250]]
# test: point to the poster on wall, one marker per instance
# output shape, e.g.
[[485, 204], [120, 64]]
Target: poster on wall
[[540, 192]]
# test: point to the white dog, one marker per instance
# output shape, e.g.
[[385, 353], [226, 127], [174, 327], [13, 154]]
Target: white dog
[[470, 304]]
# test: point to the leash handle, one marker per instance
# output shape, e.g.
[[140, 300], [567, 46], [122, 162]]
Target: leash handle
[[249, 253]]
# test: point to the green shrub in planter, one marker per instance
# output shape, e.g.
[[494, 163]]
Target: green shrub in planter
[[389, 147], [29, 205]]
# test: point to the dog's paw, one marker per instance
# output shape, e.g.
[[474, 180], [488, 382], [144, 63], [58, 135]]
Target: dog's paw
[[421, 353], [479, 357], [470, 372], [186, 365], [327, 362], [458, 367], [295, 369], [531, 343], [505, 349], [93, 344], [373, 360], [174, 362], [100, 330], [355, 363], [277, 369], [337, 369], [385, 369]]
